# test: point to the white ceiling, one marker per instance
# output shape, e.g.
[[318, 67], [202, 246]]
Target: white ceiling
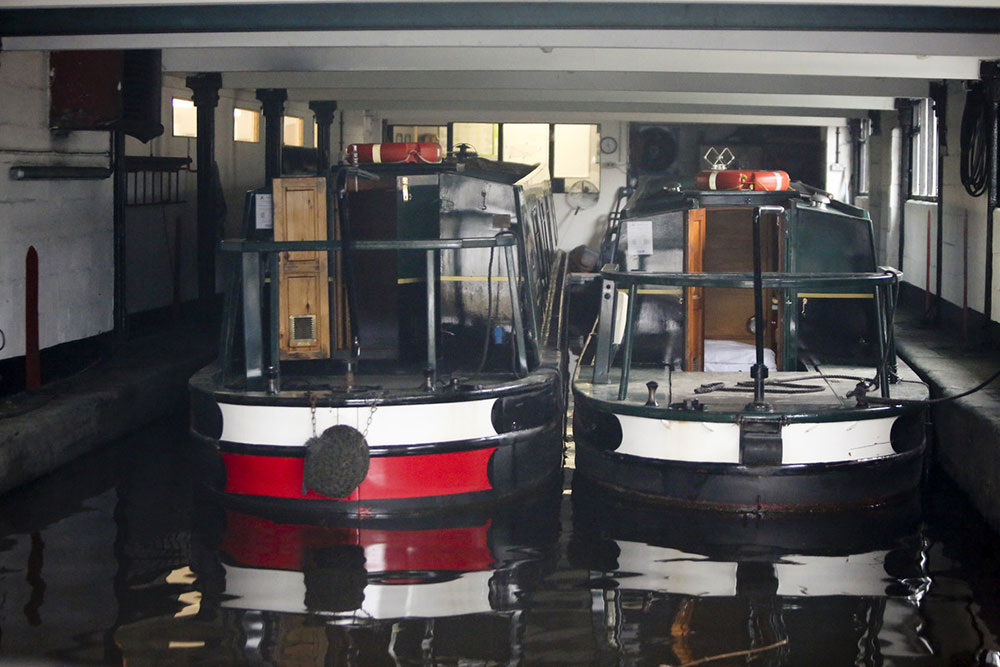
[[800, 77]]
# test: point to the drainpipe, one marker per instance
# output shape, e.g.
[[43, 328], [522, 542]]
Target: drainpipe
[[205, 87], [272, 102], [939, 95], [323, 110], [989, 72], [119, 308], [854, 130], [904, 109]]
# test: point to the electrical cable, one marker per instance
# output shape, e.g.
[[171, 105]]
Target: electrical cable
[[972, 163], [934, 401]]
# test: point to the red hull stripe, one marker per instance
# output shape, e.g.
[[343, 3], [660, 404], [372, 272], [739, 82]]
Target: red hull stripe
[[389, 477]]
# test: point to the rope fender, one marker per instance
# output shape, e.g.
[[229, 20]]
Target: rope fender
[[336, 461]]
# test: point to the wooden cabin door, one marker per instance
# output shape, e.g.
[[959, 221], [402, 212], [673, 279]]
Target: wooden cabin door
[[694, 344], [300, 215]]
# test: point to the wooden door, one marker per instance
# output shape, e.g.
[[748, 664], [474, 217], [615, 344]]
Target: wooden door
[[300, 215], [694, 348]]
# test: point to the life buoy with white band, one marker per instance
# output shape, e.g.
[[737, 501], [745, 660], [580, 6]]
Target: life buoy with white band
[[741, 179], [394, 153]]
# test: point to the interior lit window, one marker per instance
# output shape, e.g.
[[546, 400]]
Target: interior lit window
[[185, 118], [575, 150], [925, 151], [246, 125], [482, 138], [433, 134], [527, 143], [294, 129]]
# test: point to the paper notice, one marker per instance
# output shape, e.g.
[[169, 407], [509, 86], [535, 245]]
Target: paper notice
[[264, 206], [640, 237]]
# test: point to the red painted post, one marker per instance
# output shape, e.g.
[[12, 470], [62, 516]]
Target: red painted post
[[32, 363]]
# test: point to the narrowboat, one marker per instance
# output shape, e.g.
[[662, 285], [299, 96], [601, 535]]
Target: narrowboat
[[385, 341], [743, 355]]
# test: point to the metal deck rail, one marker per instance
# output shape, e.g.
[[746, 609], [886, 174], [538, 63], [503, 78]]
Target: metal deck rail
[[261, 376], [883, 286]]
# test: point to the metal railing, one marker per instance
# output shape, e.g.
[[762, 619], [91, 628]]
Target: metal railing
[[882, 285], [254, 254]]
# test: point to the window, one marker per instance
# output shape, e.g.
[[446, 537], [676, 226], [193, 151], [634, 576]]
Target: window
[[567, 152], [923, 184], [527, 143], [574, 151], [483, 138], [294, 129], [433, 134], [185, 117], [246, 125]]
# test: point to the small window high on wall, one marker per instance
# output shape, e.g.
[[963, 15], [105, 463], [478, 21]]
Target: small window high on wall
[[293, 131], [923, 184], [185, 117], [246, 125]]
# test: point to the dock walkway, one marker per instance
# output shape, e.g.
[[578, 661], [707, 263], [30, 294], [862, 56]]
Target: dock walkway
[[140, 381]]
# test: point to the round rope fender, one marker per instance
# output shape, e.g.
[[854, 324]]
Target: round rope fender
[[413, 151], [741, 179], [336, 461]]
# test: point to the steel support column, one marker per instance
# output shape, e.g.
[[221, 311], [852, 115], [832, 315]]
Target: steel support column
[[323, 110], [989, 72], [205, 87], [939, 95], [904, 109], [272, 102]]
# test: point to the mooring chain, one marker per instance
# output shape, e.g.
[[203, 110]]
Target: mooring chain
[[371, 413], [312, 409]]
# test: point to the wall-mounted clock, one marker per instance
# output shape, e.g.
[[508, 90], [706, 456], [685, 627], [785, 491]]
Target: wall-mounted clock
[[608, 145]]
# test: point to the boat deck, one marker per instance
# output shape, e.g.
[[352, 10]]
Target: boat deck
[[728, 392]]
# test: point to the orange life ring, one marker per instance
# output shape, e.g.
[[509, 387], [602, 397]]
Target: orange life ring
[[394, 153], [741, 179]]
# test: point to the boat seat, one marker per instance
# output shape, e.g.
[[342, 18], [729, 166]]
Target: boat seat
[[732, 356]]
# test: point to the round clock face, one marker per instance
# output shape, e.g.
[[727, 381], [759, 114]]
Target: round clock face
[[608, 145]]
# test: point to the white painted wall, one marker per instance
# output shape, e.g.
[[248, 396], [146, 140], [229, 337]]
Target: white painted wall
[[68, 222], [959, 207]]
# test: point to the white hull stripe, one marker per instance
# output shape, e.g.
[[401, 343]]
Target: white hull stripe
[[291, 426], [710, 442]]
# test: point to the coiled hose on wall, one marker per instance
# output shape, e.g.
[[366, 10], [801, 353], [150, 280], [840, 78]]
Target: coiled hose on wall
[[975, 135]]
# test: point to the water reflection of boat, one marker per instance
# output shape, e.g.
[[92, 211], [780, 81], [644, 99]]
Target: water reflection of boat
[[443, 585], [680, 585], [382, 352], [744, 358]]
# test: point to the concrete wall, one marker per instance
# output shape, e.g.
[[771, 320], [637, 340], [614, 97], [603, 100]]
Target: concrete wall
[[68, 222]]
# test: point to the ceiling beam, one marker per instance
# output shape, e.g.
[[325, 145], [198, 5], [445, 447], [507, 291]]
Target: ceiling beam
[[621, 81], [571, 59], [305, 16]]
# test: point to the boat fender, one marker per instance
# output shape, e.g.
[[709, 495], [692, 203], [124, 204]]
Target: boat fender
[[336, 461]]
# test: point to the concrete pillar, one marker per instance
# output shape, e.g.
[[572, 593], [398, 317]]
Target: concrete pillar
[[272, 102], [323, 110], [205, 87]]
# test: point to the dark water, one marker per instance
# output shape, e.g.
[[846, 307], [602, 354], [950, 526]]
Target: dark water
[[119, 559]]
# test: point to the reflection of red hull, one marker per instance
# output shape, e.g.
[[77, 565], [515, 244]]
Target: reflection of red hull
[[741, 179], [394, 153], [252, 541]]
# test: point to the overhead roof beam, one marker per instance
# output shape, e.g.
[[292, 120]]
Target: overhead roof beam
[[296, 16]]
